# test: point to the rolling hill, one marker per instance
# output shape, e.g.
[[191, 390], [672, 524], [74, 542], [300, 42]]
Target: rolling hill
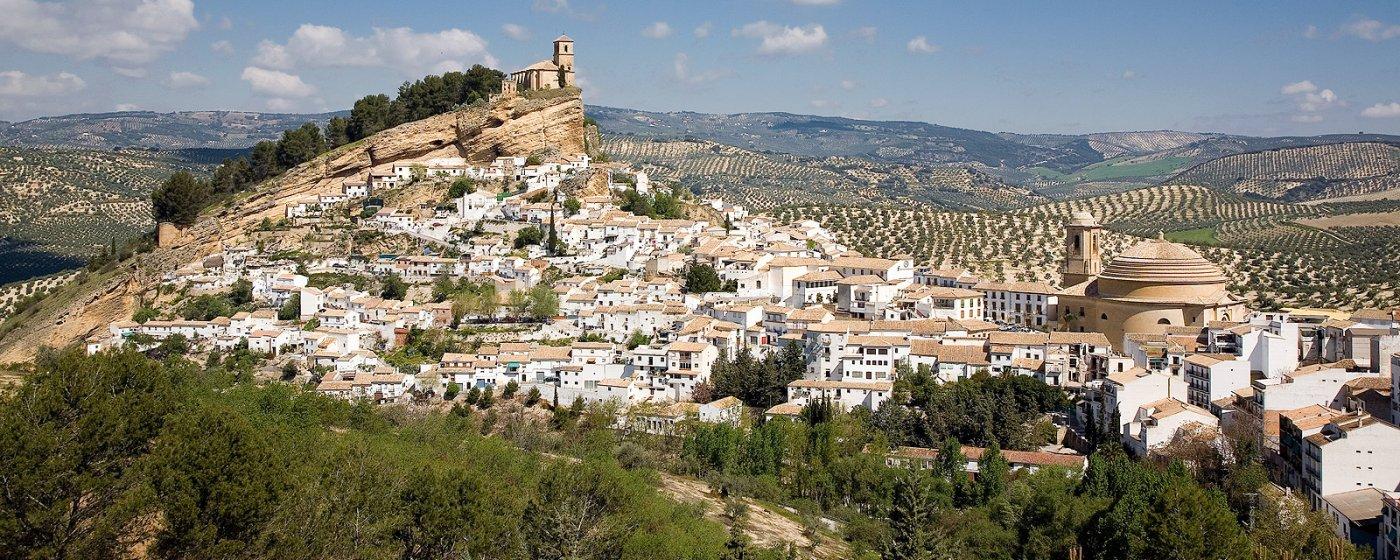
[[820, 137], [1056, 166], [1300, 174], [58, 206], [164, 131], [763, 180]]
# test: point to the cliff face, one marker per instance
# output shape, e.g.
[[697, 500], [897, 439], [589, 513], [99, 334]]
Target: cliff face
[[516, 126]]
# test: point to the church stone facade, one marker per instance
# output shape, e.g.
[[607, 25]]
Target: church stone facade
[[554, 73]]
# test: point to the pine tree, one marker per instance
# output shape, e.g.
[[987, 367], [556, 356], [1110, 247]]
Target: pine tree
[[911, 513], [180, 198]]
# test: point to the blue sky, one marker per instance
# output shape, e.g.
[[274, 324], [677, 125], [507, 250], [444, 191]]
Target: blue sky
[[1252, 67]]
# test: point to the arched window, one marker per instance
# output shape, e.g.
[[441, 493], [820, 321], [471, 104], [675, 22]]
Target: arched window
[[1103, 316], [1164, 321]]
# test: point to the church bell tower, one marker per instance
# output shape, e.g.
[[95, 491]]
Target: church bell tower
[[1083, 254], [564, 59]]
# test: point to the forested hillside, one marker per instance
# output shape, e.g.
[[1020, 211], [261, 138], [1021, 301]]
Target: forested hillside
[[124, 454]]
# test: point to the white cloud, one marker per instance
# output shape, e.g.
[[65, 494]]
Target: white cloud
[[130, 72], [683, 73], [276, 83], [1130, 74], [1311, 98], [15, 83], [702, 31], [129, 31], [1371, 30], [865, 33], [273, 55], [1313, 102], [399, 48], [1382, 111], [225, 23], [127, 107], [782, 39], [657, 30], [551, 6], [1295, 88], [920, 45], [221, 47], [1309, 118], [281, 105], [184, 80], [1310, 32], [879, 102], [848, 85], [516, 31]]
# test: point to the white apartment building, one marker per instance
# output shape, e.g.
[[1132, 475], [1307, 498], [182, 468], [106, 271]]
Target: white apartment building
[[1028, 304], [1210, 377], [1353, 452]]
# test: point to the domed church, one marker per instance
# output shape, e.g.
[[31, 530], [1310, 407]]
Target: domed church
[[1153, 284]]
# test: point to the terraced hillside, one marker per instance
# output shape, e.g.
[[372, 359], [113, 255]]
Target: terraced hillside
[[1269, 254], [1307, 173], [762, 180], [58, 206]]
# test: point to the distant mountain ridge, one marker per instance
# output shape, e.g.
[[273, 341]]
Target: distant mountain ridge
[[149, 129], [1053, 165]]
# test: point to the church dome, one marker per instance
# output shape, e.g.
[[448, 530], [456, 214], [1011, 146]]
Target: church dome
[[1161, 271], [1083, 218]]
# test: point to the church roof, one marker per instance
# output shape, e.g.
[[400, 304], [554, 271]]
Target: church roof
[[543, 65], [563, 38], [1159, 260], [1082, 218]]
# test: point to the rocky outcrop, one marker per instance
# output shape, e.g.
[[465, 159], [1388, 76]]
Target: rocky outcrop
[[513, 126]]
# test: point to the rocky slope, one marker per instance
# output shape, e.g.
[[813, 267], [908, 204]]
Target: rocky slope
[[517, 126]]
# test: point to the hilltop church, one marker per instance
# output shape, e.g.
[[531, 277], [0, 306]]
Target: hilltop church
[[1153, 284], [557, 72]]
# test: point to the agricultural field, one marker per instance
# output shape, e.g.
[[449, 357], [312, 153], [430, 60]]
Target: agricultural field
[[58, 206], [18, 293], [763, 180], [1268, 253], [1300, 174]]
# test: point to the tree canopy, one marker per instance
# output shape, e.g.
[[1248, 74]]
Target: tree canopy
[[180, 198]]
